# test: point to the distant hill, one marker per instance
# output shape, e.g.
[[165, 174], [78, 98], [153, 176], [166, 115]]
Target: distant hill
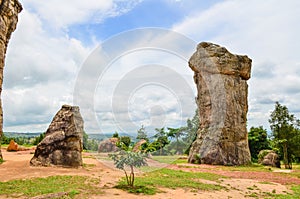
[[93, 136], [17, 134]]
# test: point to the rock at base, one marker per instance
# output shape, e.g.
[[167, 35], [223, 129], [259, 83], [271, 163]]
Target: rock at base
[[109, 145], [221, 80], [13, 146], [268, 158], [62, 145]]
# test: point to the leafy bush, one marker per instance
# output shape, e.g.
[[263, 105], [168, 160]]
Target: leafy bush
[[131, 159]]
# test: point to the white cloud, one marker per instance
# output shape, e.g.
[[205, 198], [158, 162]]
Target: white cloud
[[268, 33], [39, 74], [62, 14]]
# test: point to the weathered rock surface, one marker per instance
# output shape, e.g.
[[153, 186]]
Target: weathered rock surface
[[221, 79], [9, 10], [109, 145], [13, 146], [62, 144], [269, 158]]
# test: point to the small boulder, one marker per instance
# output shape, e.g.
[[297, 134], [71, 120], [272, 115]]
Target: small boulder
[[109, 145], [13, 146], [268, 158], [137, 146]]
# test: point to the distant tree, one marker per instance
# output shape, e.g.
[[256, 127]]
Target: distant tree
[[258, 140], [38, 139], [142, 134], [191, 128], [284, 131], [161, 139], [124, 143], [115, 135], [85, 140], [176, 133]]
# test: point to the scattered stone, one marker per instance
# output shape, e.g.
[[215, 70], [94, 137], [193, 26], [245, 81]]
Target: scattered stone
[[108, 146], [137, 146], [13, 146], [62, 145], [269, 158], [9, 10], [221, 79]]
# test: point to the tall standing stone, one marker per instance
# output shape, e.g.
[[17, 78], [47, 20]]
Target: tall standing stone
[[9, 10], [62, 145], [221, 79]]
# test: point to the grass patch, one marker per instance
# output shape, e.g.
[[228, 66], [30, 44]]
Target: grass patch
[[54, 184], [138, 189], [173, 179], [166, 159], [294, 195]]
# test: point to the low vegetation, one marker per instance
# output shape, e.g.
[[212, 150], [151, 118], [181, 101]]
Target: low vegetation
[[72, 185], [149, 183]]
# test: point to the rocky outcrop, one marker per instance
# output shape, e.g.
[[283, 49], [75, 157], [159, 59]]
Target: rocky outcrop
[[13, 146], [9, 10], [109, 145], [62, 144], [221, 80], [269, 158]]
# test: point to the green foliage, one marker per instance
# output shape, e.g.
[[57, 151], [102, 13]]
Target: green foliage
[[173, 179], [89, 144], [53, 184], [142, 134], [161, 139], [38, 139], [124, 143], [191, 128], [176, 133], [285, 132], [258, 140], [130, 159], [115, 135]]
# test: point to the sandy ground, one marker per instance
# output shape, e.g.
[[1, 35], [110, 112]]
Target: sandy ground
[[239, 184]]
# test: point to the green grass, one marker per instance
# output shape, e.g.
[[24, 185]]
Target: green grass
[[172, 179], [294, 195], [166, 159], [73, 185]]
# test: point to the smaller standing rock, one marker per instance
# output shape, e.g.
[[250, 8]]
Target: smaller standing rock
[[13, 146], [62, 144], [109, 145], [268, 158], [138, 145]]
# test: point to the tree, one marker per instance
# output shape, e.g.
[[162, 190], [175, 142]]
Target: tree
[[124, 143], [284, 131], [142, 134], [176, 133], [161, 138], [115, 135], [131, 159], [258, 140], [191, 128], [39, 138]]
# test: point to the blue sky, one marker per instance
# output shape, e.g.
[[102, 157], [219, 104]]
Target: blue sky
[[52, 45]]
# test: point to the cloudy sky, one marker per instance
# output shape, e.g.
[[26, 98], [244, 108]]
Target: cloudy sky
[[125, 62]]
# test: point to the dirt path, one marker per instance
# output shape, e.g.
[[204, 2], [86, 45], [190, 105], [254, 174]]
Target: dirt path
[[239, 185]]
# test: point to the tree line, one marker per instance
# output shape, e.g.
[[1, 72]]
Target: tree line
[[284, 138]]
